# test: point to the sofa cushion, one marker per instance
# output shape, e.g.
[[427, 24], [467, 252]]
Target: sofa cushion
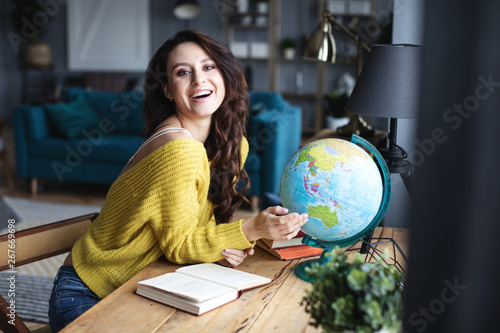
[[108, 148], [73, 117], [123, 109]]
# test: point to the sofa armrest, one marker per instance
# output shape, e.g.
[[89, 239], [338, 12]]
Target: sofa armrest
[[276, 137], [21, 141], [30, 124]]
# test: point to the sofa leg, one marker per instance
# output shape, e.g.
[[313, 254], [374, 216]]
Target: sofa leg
[[34, 186], [255, 203]]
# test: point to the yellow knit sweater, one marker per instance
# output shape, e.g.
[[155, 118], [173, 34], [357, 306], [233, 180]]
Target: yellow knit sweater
[[157, 207]]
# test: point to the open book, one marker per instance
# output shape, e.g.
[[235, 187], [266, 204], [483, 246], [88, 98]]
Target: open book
[[199, 288]]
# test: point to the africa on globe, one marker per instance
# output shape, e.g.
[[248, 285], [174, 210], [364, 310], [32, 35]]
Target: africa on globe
[[338, 184]]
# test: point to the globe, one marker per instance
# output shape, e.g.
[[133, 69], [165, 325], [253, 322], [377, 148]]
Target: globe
[[340, 186]]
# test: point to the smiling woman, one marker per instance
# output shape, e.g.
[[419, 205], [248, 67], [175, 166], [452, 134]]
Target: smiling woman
[[177, 194]]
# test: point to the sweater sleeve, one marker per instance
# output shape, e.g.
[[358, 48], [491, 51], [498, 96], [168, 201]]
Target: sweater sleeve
[[185, 227]]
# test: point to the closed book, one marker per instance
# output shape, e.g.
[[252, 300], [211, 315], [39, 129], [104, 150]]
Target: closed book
[[291, 253], [296, 241], [199, 288]]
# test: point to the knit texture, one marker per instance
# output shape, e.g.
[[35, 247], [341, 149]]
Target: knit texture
[[159, 206]]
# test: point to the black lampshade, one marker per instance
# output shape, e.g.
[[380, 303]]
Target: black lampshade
[[186, 9], [389, 83]]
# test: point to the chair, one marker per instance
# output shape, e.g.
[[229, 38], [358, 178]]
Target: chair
[[32, 245]]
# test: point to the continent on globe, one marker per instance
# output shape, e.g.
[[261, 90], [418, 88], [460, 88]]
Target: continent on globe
[[323, 213]]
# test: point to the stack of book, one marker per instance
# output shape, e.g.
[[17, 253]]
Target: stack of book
[[289, 249]]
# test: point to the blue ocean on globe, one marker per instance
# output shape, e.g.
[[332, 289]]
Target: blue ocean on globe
[[337, 183]]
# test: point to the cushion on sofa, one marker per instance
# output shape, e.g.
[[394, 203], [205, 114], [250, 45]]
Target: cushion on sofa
[[123, 109], [109, 148], [73, 117]]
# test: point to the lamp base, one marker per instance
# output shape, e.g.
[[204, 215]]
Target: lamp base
[[395, 159], [357, 126]]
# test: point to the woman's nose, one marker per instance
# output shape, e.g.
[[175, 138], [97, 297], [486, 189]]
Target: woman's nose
[[198, 77]]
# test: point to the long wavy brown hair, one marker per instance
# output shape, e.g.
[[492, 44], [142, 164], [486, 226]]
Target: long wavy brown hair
[[227, 126]]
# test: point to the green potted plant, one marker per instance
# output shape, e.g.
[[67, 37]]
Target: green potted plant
[[355, 296], [30, 19], [288, 46]]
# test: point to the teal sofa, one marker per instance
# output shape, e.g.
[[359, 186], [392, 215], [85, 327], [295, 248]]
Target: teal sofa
[[96, 155], [97, 151]]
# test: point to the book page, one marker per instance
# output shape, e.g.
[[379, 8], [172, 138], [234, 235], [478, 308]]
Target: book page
[[187, 286], [224, 275]]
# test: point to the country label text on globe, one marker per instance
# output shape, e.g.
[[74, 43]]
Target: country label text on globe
[[337, 183]]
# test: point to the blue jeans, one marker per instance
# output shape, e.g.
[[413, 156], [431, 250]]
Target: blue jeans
[[69, 299]]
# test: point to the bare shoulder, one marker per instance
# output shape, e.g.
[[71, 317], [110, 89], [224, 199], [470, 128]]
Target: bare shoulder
[[164, 138], [154, 142]]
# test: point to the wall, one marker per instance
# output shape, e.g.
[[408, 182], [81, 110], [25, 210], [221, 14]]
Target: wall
[[299, 17], [163, 25], [10, 78]]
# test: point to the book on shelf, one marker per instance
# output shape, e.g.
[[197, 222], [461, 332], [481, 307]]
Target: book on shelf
[[199, 288], [296, 241], [293, 252]]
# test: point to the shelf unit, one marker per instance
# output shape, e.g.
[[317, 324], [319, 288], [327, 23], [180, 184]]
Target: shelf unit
[[281, 72], [233, 25]]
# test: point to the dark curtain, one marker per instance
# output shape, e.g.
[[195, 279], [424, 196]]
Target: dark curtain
[[454, 273]]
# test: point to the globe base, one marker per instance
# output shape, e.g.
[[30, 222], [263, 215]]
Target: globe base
[[300, 270]]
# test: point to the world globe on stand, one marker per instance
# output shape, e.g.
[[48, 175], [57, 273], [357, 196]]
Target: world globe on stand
[[339, 185]]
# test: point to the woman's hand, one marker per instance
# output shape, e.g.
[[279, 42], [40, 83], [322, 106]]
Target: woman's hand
[[273, 223], [234, 257]]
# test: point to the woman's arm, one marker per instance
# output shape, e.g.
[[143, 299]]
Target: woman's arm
[[185, 227]]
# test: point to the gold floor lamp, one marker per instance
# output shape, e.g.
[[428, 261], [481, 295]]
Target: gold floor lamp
[[321, 46]]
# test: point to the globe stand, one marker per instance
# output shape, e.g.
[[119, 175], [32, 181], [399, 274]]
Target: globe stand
[[398, 258], [301, 269]]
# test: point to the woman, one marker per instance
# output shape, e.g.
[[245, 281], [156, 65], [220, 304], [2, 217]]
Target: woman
[[176, 196]]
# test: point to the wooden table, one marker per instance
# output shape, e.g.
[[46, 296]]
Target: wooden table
[[275, 307]]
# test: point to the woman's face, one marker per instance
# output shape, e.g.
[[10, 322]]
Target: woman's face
[[194, 82]]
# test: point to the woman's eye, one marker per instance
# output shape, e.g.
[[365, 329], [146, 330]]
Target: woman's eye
[[182, 72], [209, 67]]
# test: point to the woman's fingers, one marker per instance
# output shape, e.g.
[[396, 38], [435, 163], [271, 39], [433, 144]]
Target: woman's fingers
[[234, 257], [276, 210], [287, 226]]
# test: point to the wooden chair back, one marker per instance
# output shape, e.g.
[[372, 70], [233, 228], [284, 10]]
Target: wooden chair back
[[23, 247]]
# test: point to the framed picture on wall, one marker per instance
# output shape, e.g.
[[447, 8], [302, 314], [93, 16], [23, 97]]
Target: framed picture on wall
[[108, 35]]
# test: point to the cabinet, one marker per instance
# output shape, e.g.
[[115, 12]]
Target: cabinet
[[301, 82], [252, 36]]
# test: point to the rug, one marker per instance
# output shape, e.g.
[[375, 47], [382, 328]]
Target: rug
[[33, 282]]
